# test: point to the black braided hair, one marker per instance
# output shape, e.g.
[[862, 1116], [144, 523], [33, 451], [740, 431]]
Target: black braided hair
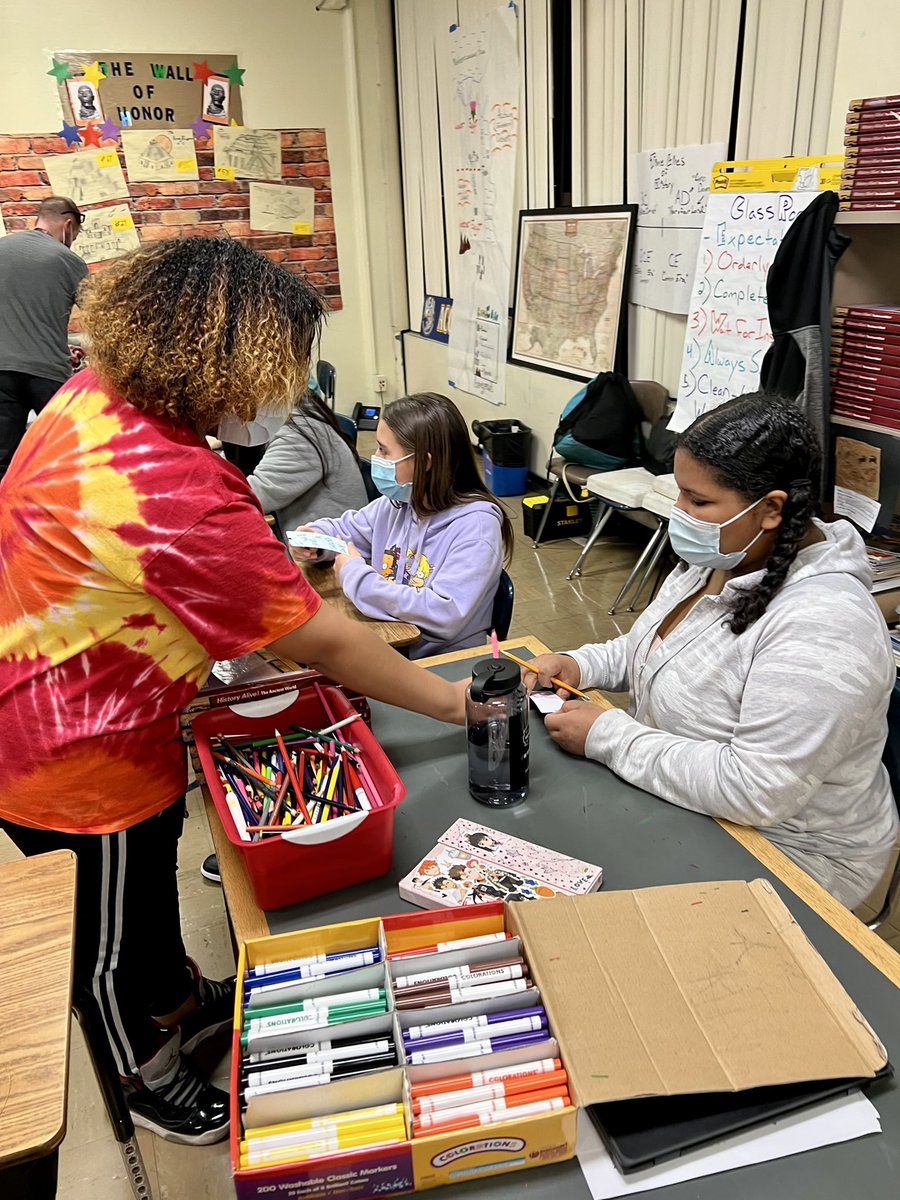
[[755, 444]]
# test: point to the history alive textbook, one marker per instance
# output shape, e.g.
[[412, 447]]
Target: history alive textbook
[[472, 864]]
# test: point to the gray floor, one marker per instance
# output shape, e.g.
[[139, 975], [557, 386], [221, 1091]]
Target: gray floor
[[561, 614]]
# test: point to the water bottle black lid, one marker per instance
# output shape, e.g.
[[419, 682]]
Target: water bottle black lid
[[494, 677]]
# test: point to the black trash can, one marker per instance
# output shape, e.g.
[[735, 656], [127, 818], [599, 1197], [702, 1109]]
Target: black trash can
[[505, 451]]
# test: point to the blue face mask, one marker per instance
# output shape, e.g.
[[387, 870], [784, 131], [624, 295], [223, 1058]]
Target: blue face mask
[[384, 476], [697, 542]]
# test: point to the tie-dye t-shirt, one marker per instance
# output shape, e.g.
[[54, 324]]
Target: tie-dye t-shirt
[[130, 556]]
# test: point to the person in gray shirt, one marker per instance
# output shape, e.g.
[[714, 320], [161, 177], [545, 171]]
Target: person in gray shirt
[[308, 470], [39, 280]]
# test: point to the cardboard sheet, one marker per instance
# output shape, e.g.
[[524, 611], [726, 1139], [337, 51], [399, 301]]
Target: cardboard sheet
[[692, 988]]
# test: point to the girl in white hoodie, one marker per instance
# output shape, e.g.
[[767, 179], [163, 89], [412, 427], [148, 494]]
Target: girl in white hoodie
[[760, 676]]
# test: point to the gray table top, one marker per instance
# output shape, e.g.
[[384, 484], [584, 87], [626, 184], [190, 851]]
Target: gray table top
[[583, 809]]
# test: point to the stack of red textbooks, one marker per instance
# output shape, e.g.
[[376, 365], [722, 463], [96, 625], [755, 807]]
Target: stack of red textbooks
[[870, 180], [865, 363]]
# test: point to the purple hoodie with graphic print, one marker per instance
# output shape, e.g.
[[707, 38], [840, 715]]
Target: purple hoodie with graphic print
[[439, 573]]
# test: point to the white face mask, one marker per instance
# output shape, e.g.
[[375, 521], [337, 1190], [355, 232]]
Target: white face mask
[[697, 542]]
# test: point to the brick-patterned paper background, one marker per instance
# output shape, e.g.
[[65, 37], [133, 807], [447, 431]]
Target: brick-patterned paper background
[[214, 207]]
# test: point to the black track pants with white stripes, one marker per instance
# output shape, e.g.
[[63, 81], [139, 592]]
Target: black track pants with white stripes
[[128, 948]]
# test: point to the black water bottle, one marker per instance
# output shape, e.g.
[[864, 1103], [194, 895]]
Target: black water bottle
[[497, 733]]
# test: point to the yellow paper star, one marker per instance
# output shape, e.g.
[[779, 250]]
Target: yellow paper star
[[234, 124], [94, 73]]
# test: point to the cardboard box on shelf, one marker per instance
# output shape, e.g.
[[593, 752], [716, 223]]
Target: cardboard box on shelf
[[643, 990]]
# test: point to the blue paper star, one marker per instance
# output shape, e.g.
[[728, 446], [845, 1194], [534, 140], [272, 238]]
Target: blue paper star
[[109, 130], [71, 133], [200, 128]]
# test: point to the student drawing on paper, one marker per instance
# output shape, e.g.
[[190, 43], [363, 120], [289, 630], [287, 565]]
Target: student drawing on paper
[[158, 155], [87, 182], [434, 511], [253, 153]]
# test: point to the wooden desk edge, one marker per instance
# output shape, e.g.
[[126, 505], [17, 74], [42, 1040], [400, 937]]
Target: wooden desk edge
[[65, 863], [249, 921]]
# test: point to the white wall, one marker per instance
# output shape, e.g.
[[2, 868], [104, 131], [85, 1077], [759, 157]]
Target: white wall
[[301, 71], [868, 60]]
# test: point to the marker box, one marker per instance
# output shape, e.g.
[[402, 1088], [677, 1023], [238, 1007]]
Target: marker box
[[624, 979], [511, 1144], [307, 860]]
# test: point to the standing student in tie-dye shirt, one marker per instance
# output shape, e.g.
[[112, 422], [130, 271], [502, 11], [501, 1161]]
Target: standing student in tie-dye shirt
[[130, 557]]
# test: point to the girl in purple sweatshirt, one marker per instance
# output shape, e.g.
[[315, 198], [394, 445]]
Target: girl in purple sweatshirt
[[430, 549]]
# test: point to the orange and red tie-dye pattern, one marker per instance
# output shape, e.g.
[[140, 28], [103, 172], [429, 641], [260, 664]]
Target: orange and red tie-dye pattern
[[130, 557]]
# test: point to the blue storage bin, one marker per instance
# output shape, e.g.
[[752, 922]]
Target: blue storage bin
[[504, 481]]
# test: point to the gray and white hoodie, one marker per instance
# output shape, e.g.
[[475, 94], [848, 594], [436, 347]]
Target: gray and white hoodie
[[781, 727]]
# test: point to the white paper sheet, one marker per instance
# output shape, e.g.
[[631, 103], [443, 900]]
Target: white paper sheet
[[857, 507], [728, 322], [317, 541], [479, 83], [838, 1120], [670, 188], [546, 702]]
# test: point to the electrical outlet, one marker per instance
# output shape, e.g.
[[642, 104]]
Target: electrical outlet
[[380, 383]]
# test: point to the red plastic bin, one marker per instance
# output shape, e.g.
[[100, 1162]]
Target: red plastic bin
[[312, 860]]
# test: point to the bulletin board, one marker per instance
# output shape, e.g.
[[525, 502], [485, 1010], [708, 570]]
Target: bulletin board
[[147, 91], [293, 217], [154, 147]]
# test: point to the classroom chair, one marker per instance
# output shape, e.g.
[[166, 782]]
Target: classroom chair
[[658, 501], [653, 399], [348, 427], [325, 377], [365, 469], [501, 613]]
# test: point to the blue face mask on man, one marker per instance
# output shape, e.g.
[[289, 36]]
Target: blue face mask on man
[[697, 542], [384, 476]]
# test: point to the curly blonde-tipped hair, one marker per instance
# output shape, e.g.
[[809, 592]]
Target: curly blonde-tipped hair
[[199, 328]]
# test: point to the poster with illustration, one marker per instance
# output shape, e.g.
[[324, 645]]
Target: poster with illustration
[[159, 155]]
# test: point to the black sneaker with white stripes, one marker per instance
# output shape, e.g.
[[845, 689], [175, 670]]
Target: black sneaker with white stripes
[[178, 1105]]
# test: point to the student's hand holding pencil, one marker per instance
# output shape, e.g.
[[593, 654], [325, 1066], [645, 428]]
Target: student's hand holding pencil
[[550, 670]]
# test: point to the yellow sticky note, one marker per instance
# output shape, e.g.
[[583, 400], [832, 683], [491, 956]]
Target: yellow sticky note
[[118, 224], [226, 173], [186, 166], [107, 158], [300, 228]]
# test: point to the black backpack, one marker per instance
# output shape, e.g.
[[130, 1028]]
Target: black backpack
[[658, 449], [600, 426]]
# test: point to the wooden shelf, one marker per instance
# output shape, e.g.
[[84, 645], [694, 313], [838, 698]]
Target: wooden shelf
[[885, 216], [869, 426]]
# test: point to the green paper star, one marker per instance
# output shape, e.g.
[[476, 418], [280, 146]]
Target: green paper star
[[235, 75], [62, 71]]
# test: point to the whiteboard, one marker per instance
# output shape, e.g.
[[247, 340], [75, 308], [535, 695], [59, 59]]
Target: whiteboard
[[728, 331]]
